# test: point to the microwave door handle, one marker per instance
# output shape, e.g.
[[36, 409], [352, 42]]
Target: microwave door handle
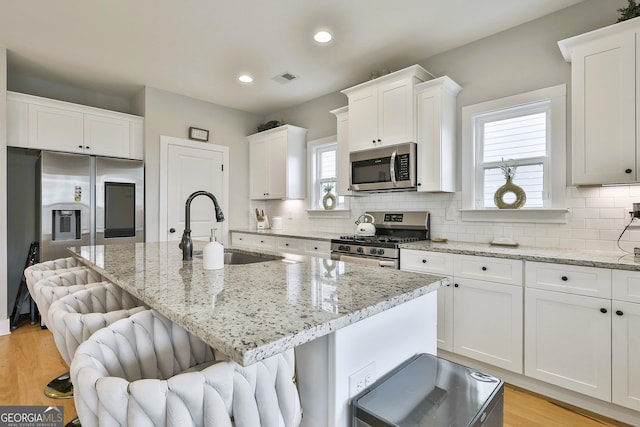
[[392, 166]]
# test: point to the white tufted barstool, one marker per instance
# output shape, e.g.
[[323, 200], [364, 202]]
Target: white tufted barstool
[[147, 371], [75, 317], [50, 289], [41, 270]]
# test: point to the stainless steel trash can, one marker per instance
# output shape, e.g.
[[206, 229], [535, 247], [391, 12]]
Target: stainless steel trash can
[[428, 391]]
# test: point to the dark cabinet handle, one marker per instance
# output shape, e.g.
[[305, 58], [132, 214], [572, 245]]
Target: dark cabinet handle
[[373, 141], [603, 310], [379, 140], [484, 268], [172, 230], [79, 146], [564, 278], [619, 312], [315, 248], [87, 147], [628, 171], [286, 244], [424, 261], [455, 285], [419, 184]]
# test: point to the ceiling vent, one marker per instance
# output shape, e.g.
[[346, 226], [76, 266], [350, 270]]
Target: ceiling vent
[[285, 78]]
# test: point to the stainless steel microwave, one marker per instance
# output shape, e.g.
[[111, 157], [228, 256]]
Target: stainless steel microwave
[[384, 168]]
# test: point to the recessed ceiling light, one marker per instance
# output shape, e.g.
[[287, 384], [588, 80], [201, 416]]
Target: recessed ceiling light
[[323, 36], [245, 78]]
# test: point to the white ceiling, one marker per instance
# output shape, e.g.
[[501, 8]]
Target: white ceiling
[[198, 47]]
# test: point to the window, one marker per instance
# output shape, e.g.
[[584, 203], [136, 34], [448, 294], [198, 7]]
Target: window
[[526, 131], [323, 164], [516, 137]]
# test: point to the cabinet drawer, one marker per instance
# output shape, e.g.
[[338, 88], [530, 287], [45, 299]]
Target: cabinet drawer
[[625, 285], [572, 279], [317, 248], [241, 240], [254, 241], [426, 262], [287, 244], [499, 270]]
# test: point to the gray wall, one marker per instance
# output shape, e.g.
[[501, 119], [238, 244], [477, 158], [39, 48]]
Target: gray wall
[[171, 115]]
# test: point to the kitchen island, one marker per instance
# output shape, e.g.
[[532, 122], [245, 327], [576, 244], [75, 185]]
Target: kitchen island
[[341, 318]]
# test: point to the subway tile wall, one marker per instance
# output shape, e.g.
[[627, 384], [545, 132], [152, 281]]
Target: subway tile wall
[[597, 216]]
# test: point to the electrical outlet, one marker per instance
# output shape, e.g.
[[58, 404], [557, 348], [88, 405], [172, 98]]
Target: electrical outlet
[[362, 379], [635, 223]]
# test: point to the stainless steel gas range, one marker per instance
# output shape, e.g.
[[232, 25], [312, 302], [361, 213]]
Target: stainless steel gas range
[[382, 249]]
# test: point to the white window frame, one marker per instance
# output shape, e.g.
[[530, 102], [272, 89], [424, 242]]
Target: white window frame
[[312, 148], [555, 176]]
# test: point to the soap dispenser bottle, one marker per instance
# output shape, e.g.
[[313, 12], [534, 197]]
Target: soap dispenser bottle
[[213, 254]]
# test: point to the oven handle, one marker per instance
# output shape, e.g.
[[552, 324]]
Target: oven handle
[[392, 166]]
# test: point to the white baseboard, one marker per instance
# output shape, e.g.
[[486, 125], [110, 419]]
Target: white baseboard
[[5, 326]]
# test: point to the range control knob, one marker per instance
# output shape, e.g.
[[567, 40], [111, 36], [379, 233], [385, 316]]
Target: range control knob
[[372, 251], [360, 250], [380, 251]]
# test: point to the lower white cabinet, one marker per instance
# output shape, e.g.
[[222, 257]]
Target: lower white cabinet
[[568, 341], [487, 322], [281, 244], [625, 339]]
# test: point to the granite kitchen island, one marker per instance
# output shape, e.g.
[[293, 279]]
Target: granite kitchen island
[[348, 323]]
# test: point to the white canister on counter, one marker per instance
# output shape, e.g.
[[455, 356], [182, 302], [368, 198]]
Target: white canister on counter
[[213, 254], [276, 223]]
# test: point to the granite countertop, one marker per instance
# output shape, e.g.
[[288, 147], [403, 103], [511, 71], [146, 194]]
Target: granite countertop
[[253, 311], [604, 259], [301, 234]]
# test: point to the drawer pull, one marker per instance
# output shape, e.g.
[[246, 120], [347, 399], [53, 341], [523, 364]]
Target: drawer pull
[[424, 261], [455, 285], [603, 310], [619, 312], [286, 244], [484, 268], [261, 241], [315, 248], [564, 278], [628, 171]]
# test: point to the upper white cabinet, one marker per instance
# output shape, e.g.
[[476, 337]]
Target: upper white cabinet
[[383, 111], [604, 104], [277, 163], [46, 124], [436, 134], [342, 134]]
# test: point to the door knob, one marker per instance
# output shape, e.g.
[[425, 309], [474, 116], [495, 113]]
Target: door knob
[[172, 230]]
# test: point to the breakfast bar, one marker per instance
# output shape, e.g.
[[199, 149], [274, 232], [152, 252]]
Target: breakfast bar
[[340, 317]]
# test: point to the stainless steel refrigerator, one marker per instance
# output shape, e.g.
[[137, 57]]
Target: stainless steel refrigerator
[[88, 200]]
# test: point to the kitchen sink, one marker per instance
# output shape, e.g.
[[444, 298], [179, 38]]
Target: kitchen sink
[[235, 258]]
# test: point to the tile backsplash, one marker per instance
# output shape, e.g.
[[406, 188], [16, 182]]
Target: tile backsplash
[[597, 216]]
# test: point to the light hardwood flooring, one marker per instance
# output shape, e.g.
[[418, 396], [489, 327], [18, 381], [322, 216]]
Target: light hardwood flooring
[[29, 359]]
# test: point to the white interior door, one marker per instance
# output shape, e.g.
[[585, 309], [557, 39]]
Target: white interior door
[[187, 167]]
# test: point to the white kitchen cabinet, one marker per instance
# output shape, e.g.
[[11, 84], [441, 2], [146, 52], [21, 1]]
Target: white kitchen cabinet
[[342, 134], [572, 279], [438, 263], [253, 241], [625, 340], [277, 163], [436, 134], [604, 104], [46, 124], [501, 270], [487, 322], [281, 244], [568, 341], [383, 111]]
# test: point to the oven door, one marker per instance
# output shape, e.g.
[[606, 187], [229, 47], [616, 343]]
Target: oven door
[[367, 260], [384, 168]]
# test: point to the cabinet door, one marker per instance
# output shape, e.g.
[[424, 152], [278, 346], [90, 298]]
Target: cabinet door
[[568, 341], [258, 169], [396, 118], [289, 245], [343, 154], [56, 129], [626, 354], [106, 136], [363, 119], [604, 113], [277, 169], [445, 317], [487, 322]]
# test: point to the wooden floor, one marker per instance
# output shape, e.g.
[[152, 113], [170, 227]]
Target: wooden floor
[[29, 359]]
